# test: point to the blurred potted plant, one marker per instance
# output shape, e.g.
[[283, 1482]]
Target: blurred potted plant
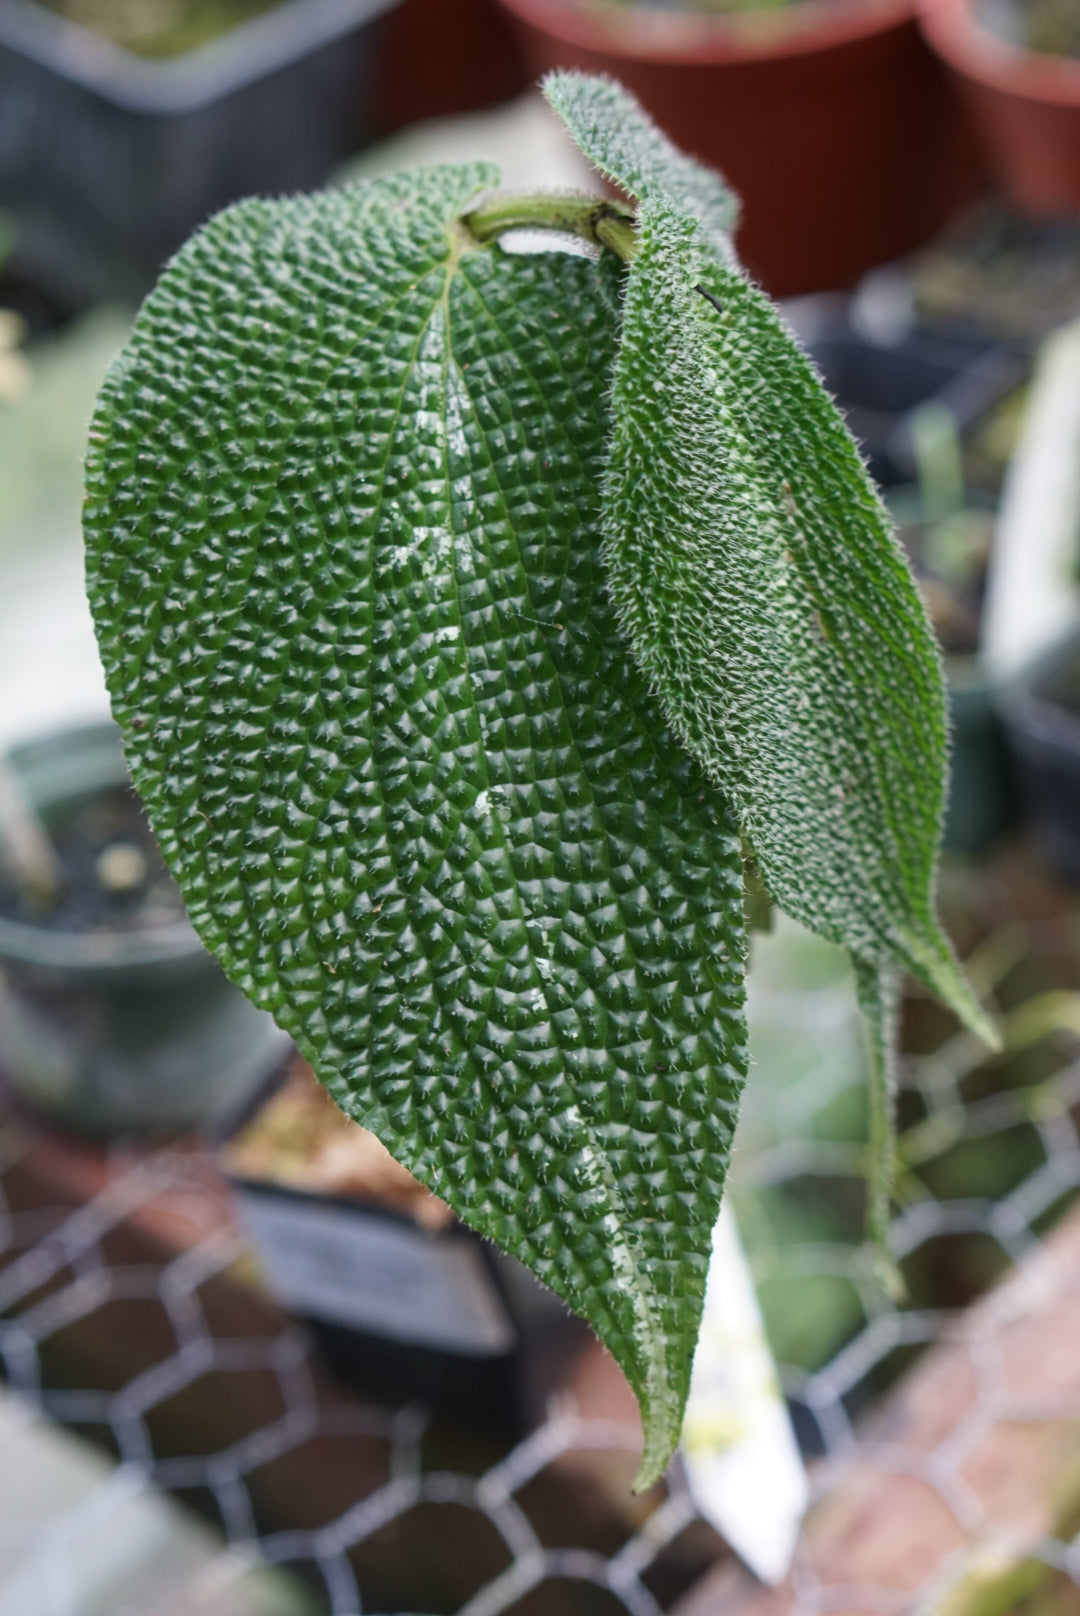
[[112, 1015], [125, 126], [807, 108], [1016, 64]]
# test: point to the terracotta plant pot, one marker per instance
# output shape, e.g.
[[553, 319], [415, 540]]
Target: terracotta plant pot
[[830, 118], [1026, 106], [441, 57]]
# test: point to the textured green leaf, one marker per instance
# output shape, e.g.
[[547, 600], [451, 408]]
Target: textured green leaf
[[757, 576], [343, 554], [630, 151]]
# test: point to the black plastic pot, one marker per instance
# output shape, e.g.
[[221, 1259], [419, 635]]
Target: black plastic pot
[[880, 385], [108, 161], [1041, 712], [407, 1312], [118, 1031], [982, 796]]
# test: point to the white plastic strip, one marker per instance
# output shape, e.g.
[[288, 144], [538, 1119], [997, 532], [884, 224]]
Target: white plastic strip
[[743, 1466], [1033, 587]]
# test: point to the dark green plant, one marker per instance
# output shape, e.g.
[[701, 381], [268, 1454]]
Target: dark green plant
[[466, 613]]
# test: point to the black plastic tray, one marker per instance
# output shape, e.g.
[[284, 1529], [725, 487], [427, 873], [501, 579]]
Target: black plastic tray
[[107, 161], [879, 385]]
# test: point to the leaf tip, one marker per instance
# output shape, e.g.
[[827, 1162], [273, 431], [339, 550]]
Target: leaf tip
[[991, 1034], [957, 994], [661, 1440], [887, 1271], [944, 977], [661, 1398]]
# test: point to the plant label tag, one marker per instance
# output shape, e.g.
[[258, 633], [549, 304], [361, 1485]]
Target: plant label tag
[[348, 1266], [743, 1467], [1032, 595]]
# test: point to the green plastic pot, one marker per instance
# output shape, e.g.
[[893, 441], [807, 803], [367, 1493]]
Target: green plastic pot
[[118, 1031]]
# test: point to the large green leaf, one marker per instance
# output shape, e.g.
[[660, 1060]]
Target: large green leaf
[[343, 554], [757, 575]]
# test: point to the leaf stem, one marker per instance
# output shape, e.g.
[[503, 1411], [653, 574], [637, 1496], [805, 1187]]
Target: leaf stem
[[593, 219]]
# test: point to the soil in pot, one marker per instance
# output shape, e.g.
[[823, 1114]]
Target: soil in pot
[[112, 876], [159, 29], [301, 1140], [1051, 27], [1004, 275]]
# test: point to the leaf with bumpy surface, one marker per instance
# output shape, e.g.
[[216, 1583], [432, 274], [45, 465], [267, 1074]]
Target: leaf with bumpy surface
[[757, 576], [343, 554]]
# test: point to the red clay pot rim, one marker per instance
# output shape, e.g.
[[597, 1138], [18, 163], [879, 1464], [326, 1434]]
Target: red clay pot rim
[[961, 40], [646, 33]]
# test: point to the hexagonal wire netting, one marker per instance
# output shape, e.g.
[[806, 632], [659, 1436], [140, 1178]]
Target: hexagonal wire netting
[[990, 1157]]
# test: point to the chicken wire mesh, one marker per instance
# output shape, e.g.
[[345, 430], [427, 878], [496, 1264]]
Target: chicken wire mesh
[[988, 1150], [147, 1343]]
